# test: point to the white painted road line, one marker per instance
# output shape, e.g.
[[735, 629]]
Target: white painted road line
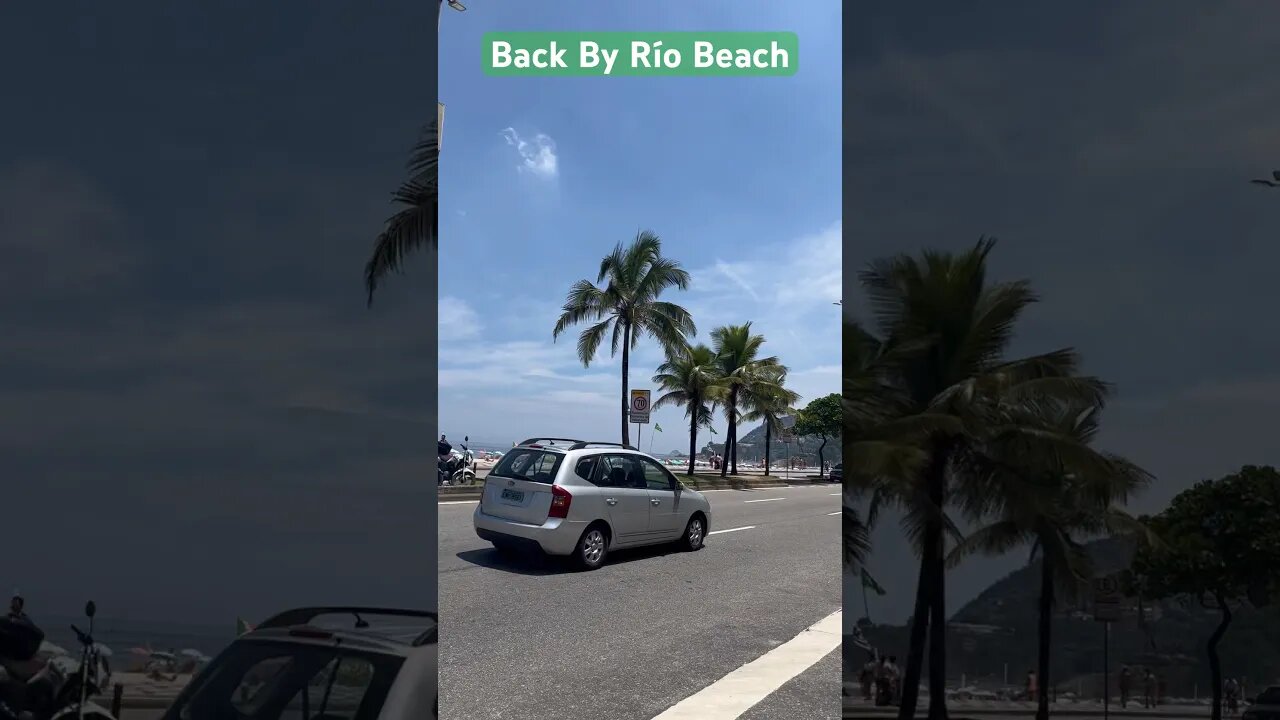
[[838, 512], [837, 493], [744, 527], [458, 502], [739, 691], [763, 500]]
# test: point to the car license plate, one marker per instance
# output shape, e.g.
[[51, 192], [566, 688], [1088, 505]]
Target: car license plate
[[513, 495]]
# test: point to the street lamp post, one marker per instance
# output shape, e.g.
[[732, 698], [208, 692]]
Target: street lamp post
[[439, 105]]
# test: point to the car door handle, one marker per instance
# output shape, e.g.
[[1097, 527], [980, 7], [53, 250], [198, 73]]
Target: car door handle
[[610, 501], [655, 501]]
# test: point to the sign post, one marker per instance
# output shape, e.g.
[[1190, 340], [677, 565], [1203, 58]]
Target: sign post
[[639, 410], [1106, 610]]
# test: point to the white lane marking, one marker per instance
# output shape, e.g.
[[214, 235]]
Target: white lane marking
[[838, 512], [744, 527], [739, 691], [837, 493], [763, 500], [458, 502]]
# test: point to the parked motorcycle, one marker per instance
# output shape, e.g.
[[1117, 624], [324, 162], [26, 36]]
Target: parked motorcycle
[[59, 688], [459, 467]]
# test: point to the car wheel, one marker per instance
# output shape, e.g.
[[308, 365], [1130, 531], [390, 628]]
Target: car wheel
[[694, 534], [593, 548]]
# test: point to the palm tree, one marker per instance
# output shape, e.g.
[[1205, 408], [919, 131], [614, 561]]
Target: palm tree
[[877, 454], [767, 399], [1049, 500], [417, 223], [948, 330], [689, 378], [740, 366], [628, 306]]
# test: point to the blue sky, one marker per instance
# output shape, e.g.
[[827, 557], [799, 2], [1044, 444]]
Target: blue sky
[[1108, 146], [540, 177], [187, 200]]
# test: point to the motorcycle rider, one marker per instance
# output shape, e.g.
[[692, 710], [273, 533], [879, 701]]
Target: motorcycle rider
[[19, 643], [442, 464], [17, 609]]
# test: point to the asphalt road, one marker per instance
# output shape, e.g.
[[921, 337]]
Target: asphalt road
[[532, 638]]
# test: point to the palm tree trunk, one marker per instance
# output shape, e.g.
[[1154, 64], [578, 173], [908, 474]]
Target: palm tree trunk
[[915, 646], [934, 537], [693, 439], [731, 408], [626, 368], [1215, 664], [938, 636], [733, 470], [1046, 626], [821, 461], [768, 440]]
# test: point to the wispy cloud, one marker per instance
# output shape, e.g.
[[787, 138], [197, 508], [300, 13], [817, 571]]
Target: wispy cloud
[[457, 320], [537, 155]]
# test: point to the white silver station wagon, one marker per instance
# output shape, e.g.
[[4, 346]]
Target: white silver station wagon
[[584, 499]]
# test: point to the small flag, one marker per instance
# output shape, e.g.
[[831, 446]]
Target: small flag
[[242, 627], [657, 427], [712, 429], [870, 582]]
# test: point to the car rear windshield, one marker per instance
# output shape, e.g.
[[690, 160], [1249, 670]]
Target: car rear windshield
[[530, 464], [265, 679]]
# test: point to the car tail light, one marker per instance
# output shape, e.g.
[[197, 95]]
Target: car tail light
[[560, 501]]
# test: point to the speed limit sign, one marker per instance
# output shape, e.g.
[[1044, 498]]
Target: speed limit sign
[[640, 406]]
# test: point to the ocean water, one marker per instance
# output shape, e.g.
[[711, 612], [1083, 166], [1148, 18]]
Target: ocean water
[[123, 635]]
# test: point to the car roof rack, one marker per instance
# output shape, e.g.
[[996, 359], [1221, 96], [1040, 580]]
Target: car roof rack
[[304, 615], [549, 441], [590, 443]]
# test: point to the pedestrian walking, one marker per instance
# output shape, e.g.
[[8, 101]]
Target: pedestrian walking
[[868, 679], [1149, 689], [882, 683], [1126, 686], [1033, 687], [1231, 689], [895, 681]]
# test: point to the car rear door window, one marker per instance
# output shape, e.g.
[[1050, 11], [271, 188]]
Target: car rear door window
[[621, 471]]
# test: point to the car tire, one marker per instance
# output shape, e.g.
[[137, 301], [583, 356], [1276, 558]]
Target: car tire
[[695, 534], [593, 548]]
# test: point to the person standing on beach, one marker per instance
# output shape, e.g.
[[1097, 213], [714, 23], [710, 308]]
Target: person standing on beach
[[1126, 686], [1032, 686], [1149, 689]]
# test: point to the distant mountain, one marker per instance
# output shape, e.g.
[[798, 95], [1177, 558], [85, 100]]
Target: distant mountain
[[752, 447], [997, 630]]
